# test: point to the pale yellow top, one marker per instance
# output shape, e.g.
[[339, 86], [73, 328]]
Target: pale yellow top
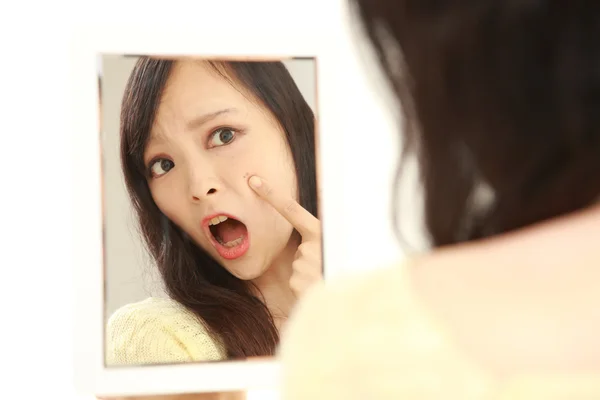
[[158, 331], [368, 338]]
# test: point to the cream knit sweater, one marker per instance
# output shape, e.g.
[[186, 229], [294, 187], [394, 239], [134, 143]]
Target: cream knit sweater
[[158, 331]]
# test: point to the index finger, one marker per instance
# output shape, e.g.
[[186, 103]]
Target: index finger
[[305, 223]]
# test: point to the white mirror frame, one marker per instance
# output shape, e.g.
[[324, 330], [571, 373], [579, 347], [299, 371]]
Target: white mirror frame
[[92, 377]]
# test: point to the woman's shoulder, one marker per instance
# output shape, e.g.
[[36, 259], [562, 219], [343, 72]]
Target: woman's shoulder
[[375, 289], [368, 329], [151, 307], [158, 331], [334, 311], [154, 313], [340, 304], [379, 335]]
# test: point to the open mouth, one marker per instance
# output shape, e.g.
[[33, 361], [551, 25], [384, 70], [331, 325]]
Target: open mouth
[[227, 231], [230, 236]]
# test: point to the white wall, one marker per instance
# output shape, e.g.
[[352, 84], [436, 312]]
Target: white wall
[[130, 273]]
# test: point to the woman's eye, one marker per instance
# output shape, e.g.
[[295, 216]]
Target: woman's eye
[[221, 137], [161, 167]]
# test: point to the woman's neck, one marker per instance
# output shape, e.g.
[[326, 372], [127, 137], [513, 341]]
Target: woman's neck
[[274, 284]]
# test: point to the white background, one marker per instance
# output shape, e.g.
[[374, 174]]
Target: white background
[[36, 185]]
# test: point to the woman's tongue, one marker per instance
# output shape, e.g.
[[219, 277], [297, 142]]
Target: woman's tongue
[[230, 232]]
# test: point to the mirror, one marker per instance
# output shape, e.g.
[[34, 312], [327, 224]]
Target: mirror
[[198, 265]]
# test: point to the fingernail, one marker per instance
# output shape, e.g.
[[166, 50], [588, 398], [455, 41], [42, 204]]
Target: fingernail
[[255, 181]]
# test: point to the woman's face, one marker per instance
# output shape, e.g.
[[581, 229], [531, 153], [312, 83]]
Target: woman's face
[[208, 138]]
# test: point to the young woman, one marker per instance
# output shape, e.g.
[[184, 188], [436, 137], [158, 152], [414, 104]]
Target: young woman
[[502, 100], [219, 161]]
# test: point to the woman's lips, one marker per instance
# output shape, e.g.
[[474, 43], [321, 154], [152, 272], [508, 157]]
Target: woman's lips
[[233, 249]]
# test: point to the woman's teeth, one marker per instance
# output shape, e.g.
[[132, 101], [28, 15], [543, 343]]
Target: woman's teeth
[[233, 243], [218, 220]]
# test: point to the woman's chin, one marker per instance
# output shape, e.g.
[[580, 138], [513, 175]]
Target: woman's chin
[[245, 275], [248, 277]]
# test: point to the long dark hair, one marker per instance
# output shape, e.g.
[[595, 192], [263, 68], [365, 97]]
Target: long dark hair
[[224, 303], [497, 94]]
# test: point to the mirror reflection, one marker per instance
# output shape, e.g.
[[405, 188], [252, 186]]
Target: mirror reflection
[[211, 227]]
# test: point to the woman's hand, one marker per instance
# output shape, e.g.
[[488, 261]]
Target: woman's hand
[[307, 267]]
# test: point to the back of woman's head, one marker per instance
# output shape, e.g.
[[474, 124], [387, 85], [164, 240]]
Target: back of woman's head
[[500, 96]]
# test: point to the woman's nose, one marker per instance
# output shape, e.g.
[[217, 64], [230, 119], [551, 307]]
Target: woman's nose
[[203, 184], [200, 194]]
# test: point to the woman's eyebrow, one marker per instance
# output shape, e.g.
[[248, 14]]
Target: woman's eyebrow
[[200, 120], [193, 124]]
